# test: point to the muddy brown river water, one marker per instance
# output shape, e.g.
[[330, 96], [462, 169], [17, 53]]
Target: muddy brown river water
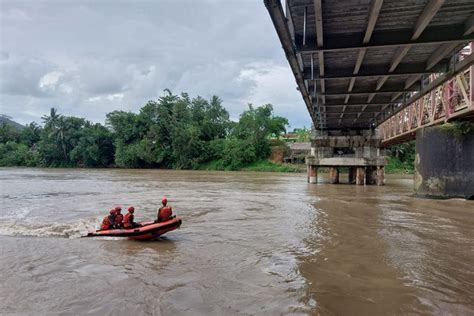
[[250, 244]]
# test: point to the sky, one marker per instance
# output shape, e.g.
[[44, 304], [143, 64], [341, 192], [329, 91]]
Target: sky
[[88, 58]]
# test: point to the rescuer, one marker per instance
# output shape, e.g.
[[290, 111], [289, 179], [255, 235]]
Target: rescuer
[[164, 212], [128, 219], [109, 221], [118, 217]]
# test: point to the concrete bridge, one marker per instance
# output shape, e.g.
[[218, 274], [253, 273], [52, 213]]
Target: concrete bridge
[[375, 73]]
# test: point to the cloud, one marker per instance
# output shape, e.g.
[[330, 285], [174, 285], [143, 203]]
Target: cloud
[[90, 58], [4, 56], [49, 81], [14, 14], [109, 97]]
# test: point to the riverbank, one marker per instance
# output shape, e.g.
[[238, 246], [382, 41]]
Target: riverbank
[[392, 167], [396, 166], [259, 166]]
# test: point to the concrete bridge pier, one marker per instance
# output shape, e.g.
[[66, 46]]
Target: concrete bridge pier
[[380, 180], [359, 151], [352, 175], [334, 175], [371, 175], [444, 163], [360, 176], [312, 174]]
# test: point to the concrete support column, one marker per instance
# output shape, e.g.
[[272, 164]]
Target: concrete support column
[[312, 174], [380, 175], [371, 175], [360, 176], [334, 175], [352, 175], [313, 151], [444, 163]]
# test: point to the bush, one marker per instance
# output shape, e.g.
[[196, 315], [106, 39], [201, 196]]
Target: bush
[[236, 153], [14, 154], [395, 165]]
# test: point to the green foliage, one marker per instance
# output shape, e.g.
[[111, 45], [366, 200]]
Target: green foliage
[[229, 154], [458, 129], [94, 148], [259, 165], [268, 166], [15, 154], [256, 125], [59, 138], [401, 158], [175, 131], [236, 153], [8, 133], [31, 134], [303, 134]]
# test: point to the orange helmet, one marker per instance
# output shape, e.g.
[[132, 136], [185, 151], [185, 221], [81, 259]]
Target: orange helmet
[[113, 212], [118, 209], [164, 201], [131, 209]]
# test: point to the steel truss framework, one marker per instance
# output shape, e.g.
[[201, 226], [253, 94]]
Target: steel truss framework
[[355, 61], [448, 101]]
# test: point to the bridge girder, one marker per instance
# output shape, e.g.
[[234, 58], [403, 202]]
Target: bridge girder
[[374, 59]]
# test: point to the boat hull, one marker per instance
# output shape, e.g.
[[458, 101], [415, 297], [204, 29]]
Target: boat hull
[[149, 230]]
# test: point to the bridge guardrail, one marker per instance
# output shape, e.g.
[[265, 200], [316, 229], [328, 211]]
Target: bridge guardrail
[[450, 100]]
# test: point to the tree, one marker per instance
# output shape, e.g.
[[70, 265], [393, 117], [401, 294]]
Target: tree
[[256, 125], [94, 148], [303, 134], [51, 119], [8, 133], [31, 134], [175, 131]]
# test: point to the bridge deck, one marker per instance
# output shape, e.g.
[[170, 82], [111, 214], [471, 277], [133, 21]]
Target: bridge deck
[[357, 62]]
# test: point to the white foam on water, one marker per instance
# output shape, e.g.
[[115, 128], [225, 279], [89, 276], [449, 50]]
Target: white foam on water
[[65, 230], [17, 214]]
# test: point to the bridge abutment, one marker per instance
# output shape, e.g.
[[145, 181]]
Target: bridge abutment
[[444, 163], [359, 151]]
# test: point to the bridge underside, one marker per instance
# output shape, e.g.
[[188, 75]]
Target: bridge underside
[[372, 73], [357, 62]]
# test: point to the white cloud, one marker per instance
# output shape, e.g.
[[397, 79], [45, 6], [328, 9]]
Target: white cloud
[[273, 83], [94, 99], [14, 14], [90, 58], [65, 88], [48, 82], [113, 97], [108, 97]]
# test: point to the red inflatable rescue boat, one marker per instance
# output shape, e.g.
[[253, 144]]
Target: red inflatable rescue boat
[[149, 230]]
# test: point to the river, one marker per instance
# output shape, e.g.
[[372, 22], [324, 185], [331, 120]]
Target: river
[[250, 244]]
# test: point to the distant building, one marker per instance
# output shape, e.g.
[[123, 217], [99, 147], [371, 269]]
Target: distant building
[[289, 137], [298, 152]]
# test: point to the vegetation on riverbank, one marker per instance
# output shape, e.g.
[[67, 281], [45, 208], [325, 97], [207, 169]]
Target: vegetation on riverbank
[[176, 132], [401, 158], [260, 165], [457, 129]]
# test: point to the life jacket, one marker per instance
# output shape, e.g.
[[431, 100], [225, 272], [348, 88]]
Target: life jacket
[[105, 224], [119, 219], [128, 220], [164, 213]]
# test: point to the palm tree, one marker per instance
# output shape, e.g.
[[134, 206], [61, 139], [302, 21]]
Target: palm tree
[[59, 133], [51, 120]]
